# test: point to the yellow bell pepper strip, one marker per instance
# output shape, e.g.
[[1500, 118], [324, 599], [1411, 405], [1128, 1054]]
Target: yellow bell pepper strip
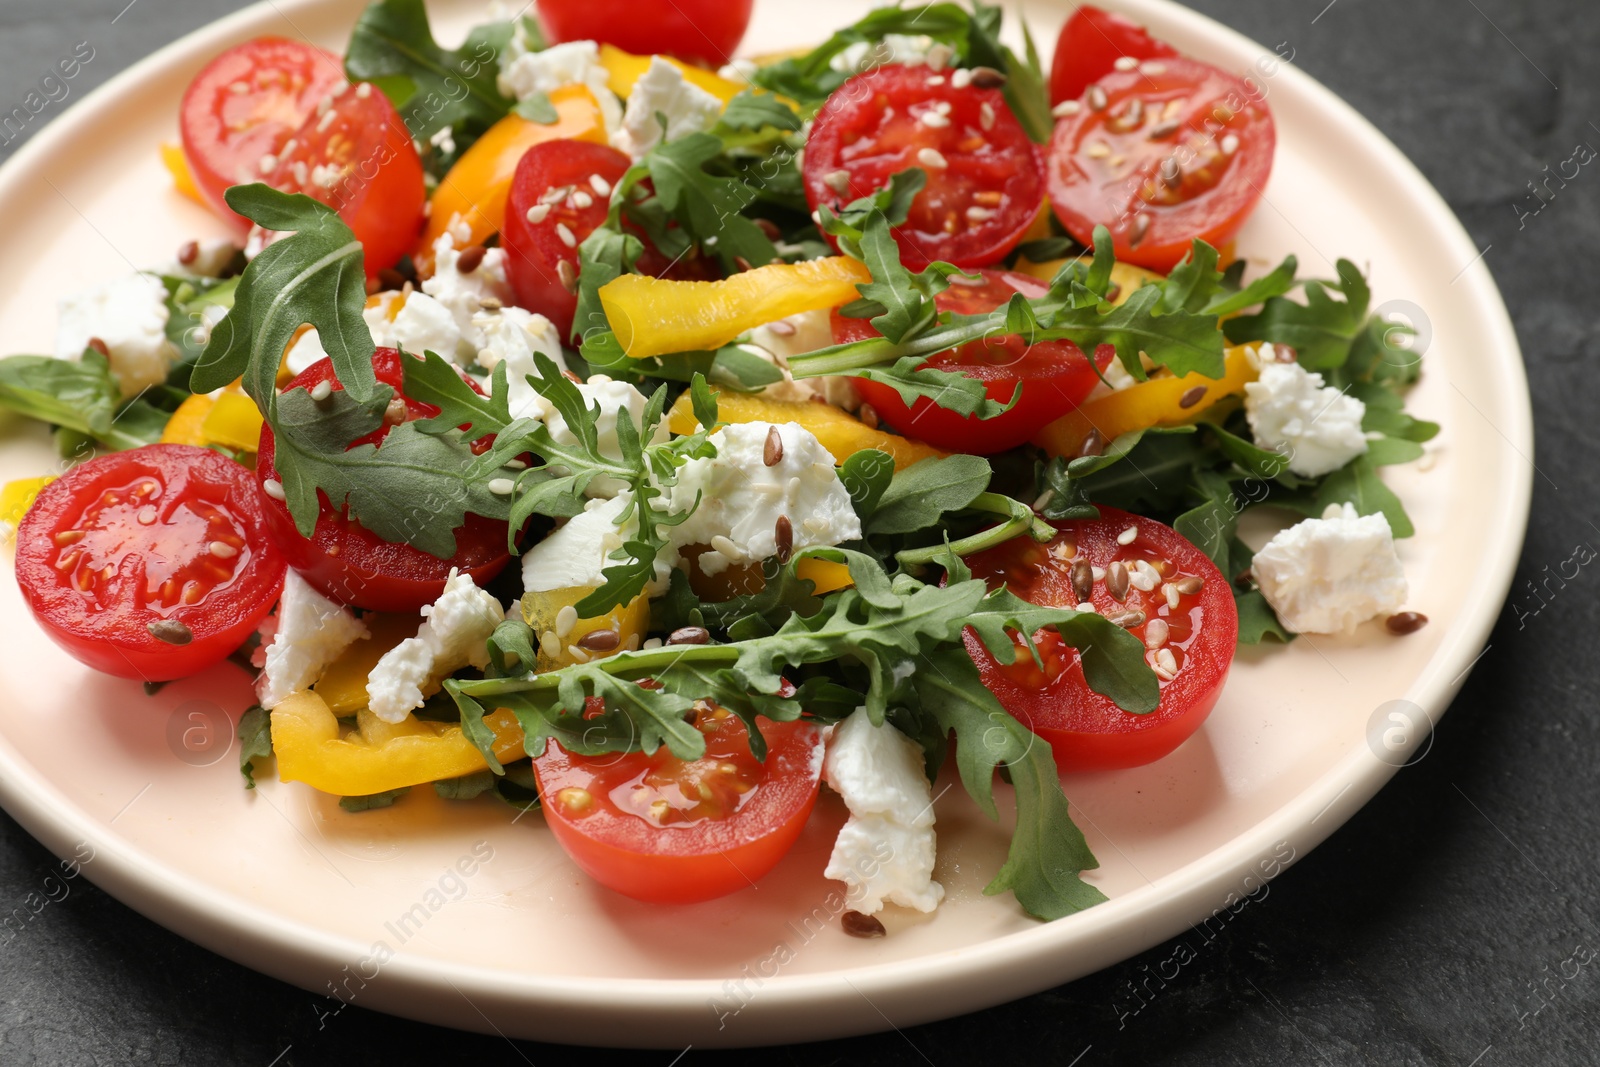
[[1125, 276], [656, 317], [231, 420], [183, 427], [379, 756], [476, 188], [182, 179], [840, 432], [543, 612], [18, 496], [1157, 402], [825, 575], [343, 684], [625, 68]]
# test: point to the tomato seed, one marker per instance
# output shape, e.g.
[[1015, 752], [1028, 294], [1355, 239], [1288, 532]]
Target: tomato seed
[[574, 800]]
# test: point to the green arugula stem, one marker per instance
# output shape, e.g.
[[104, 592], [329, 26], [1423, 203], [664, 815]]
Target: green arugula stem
[[642, 663], [1020, 519], [873, 352]]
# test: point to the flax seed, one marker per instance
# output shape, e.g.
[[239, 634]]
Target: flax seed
[[600, 640], [1117, 581], [772, 451]]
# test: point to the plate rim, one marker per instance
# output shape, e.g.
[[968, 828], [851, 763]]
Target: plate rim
[[262, 940]]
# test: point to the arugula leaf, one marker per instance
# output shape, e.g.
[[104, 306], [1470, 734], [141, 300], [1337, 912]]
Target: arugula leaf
[[866, 476], [1279, 281], [79, 395], [255, 741], [752, 110], [1322, 330], [918, 496], [393, 47], [466, 787], [1357, 483], [374, 801], [707, 206]]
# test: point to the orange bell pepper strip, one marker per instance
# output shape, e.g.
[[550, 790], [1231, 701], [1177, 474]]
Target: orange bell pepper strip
[[379, 756], [476, 188], [655, 317], [840, 432], [177, 165], [1156, 402]]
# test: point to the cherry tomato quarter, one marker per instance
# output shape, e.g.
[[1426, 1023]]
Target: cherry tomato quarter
[[985, 177], [1054, 375], [153, 563], [707, 31], [1165, 591], [344, 559], [1161, 158], [661, 829], [244, 106], [1090, 44]]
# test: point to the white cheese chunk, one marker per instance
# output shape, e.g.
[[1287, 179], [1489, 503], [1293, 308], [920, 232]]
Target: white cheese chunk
[[612, 398], [454, 634], [129, 315], [523, 73], [741, 498], [426, 325], [885, 851], [662, 89], [467, 296], [1331, 574], [1290, 411], [312, 631], [511, 336], [912, 50], [778, 342], [576, 553]]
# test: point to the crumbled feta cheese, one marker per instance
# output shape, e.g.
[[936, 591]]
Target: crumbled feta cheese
[[523, 73], [893, 48], [511, 336], [1317, 427], [612, 397], [465, 295], [426, 325], [312, 631], [777, 342], [1328, 575], [575, 554], [885, 851], [741, 498], [454, 634], [663, 89], [130, 316]]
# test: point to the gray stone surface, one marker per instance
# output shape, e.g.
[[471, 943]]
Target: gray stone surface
[[1426, 931]]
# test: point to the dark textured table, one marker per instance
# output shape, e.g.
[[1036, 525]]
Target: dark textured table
[[1450, 922]]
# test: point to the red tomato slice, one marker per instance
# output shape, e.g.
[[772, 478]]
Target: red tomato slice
[[165, 536], [1089, 46], [1055, 375], [1087, 731], [243, 106], [356, 156], [985, 178], [1180, 150], [540, 261], [660, 829], [705, 30], [345, 560]]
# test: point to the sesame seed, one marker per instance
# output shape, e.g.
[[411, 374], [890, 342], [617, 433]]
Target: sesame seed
[[1155, 633], [555, 195], [1166, 661], [321, 391], [721, 544], [932, 157], [581, 199], [550, 644], [1065, 108], [268, 164], [782, 328], [980, 214], [147, 515], [577, 655], [1140, 227], [933, 120], [502, 486], [363, 90], [517, 464], [288, 147], [960, 78], [239, 88], [816, 217], [1098, 150], [1170, 591], [1144, 577], [222, 550], [600, 186], [274, 489], [937, 79], [838, 181], [1152, 68], [1095, 98], [566, 619], [1128, 536], [1125, 63], [986, 115], [326, 120], [1165, 128], [1128, 619], [1230, 145], [1087, 606], [943, 107], [564, 232], [652, 644]]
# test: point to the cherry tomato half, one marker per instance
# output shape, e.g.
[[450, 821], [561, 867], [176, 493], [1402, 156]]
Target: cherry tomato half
[[345, 560], [705, 30], [1089, 46], [356, 156], [244, 105], [540, 260], [662, 829], [1054, 375], [1175, 154], [1087, 731], [985, 178], [153, 563]]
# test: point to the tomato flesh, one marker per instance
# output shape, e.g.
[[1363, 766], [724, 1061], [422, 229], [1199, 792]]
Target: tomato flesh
[[356, 156], [344, 559], [661, 829], [985, 177], [244, 105], [171, 535], [1175, 155], [707, 31], [1054, 375], [1087, 731], [1090, 44]]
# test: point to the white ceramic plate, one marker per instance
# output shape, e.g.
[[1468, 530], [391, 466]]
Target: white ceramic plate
[[373, 906]]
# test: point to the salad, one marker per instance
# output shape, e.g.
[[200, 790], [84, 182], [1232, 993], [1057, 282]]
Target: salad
[[590, 418]]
